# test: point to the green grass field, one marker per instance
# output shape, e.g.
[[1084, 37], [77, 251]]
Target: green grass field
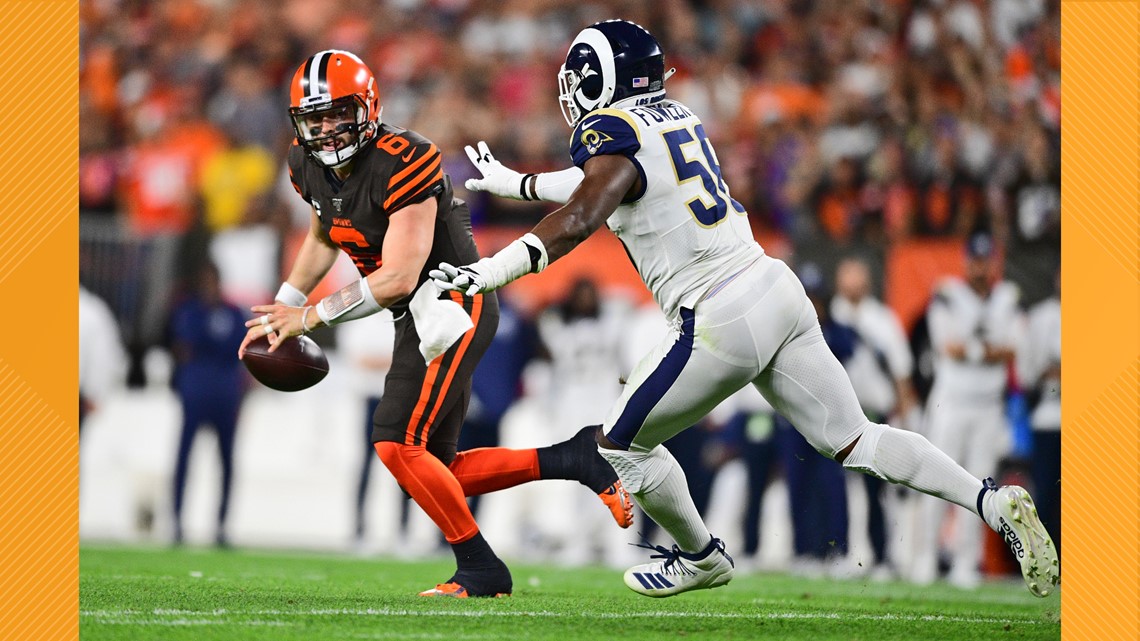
[[164, 594]]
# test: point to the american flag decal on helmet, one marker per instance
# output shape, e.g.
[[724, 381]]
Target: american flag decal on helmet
[[641, 82]]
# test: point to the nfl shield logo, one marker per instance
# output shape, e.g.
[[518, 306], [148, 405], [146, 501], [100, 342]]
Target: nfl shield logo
[[337, 203], [641, 82]]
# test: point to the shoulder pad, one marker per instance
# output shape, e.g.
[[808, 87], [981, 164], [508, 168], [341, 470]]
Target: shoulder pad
[[604, 132]]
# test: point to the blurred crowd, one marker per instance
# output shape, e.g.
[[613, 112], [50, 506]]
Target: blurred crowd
[[837, 121], [842, 126]]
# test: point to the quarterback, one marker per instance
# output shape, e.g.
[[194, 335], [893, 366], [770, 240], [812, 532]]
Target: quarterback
[[644, 167], [378, 194]]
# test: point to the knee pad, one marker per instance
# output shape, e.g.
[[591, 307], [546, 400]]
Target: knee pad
[[640, 471], [862, 456]]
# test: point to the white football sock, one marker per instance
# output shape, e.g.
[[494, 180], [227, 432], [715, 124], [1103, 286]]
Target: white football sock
[[664, 495], [909, 459]]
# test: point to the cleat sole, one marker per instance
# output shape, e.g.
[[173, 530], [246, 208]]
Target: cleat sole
[[1039, 564]]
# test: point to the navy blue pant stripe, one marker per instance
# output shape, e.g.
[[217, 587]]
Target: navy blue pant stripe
[[654, 388]]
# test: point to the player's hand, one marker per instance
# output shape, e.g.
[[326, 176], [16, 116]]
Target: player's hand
[[956, 351], [497, 178], [276, 322], [468, 279]]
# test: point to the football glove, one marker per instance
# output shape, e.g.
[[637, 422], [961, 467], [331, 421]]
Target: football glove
[[525, 255], [467, 278], [497, 178]]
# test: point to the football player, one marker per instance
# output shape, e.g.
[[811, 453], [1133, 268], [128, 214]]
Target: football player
[[378, 194], [644, 166], [974, 328]]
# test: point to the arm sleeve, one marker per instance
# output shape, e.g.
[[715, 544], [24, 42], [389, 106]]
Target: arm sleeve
[[556, 186], [418, 177]]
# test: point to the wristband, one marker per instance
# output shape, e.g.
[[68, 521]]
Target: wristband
[[351, 302], [304, 316], [527, 194], [537, 251], [290, 295]]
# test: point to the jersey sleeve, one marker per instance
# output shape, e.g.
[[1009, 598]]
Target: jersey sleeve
[[604, 132], [417, 177], [294, 162]]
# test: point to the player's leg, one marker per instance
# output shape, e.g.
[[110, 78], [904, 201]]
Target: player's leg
[[489, 469], [673, 387], [946, 425], [420, 402], [985, 440], [225, 424], [370, 406], [191, 419], [807, 384]]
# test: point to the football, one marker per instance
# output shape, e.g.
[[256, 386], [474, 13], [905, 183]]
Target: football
[[297, 364]]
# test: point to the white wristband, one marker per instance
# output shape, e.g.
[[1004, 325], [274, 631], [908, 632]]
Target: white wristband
[[290, 295], [349, 303], [534, 244]]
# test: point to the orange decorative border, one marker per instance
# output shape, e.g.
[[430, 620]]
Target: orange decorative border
[[39, 463], [1100, 173]]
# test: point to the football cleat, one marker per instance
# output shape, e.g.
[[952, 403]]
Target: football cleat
[[491, 580], [617, 500], [680, 572], [1015, 519], [456, 591]]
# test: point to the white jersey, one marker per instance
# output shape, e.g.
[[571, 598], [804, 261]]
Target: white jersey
[[1041, 353], [882, 355], [684, 232], [959, 315]]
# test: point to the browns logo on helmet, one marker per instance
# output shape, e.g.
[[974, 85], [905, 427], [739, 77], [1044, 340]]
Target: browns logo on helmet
[[334, 106]]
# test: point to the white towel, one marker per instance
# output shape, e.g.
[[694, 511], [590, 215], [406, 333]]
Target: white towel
[[438, 322]]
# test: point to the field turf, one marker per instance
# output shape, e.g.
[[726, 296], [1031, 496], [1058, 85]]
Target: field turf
[[239, 595]]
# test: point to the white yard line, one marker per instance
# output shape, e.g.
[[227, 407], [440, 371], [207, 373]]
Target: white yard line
[[237, 617]]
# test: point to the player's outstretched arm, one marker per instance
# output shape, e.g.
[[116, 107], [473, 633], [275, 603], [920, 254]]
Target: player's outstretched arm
[[407, 244], [314, 260], [607, 181], [500, 180]]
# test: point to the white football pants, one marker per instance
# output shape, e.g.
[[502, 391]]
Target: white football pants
[[759, 328]]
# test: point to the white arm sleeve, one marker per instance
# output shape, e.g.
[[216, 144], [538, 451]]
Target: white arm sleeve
[[556, 186]]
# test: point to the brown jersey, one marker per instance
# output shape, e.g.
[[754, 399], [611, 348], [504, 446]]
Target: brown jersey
[[399, 168]]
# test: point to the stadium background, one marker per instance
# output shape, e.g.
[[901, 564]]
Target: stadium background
[[888, 130]]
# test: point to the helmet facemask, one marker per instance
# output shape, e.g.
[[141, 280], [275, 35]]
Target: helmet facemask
[[332, 132], [568, 81]]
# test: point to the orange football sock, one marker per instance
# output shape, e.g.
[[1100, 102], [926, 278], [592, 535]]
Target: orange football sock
[[432, 486], [488, 469]]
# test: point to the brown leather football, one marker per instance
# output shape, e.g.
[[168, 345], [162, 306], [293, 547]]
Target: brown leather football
[[297, 364]]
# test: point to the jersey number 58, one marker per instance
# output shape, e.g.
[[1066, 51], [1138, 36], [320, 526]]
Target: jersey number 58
[[708, 171]]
